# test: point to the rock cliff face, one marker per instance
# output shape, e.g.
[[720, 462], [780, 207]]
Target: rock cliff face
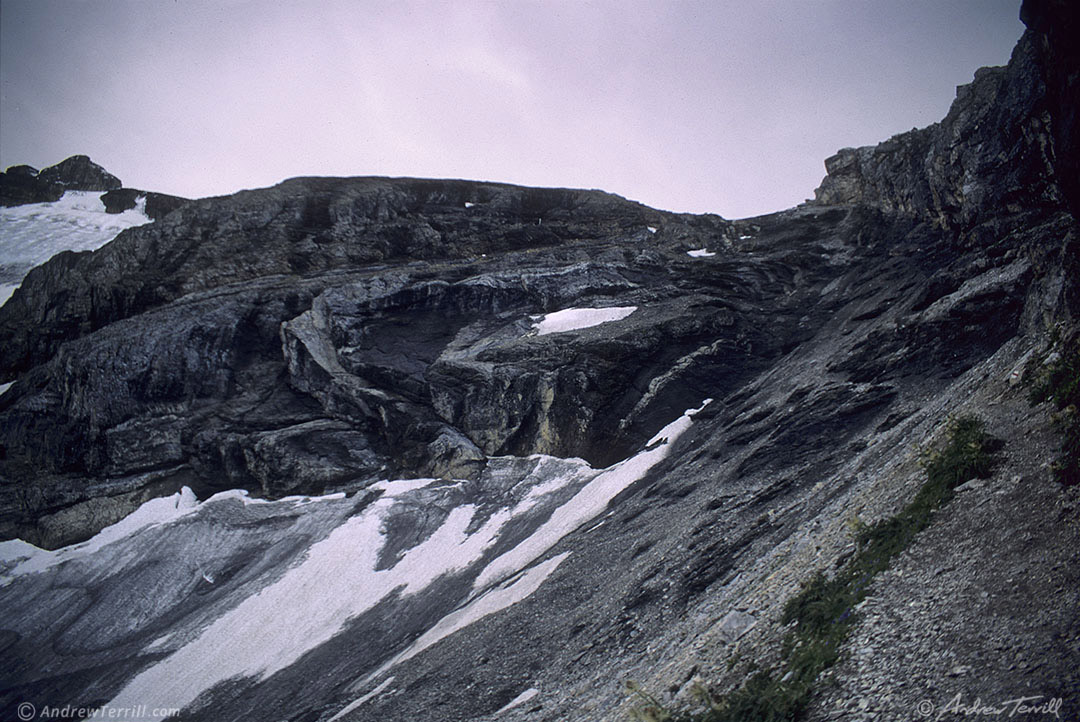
[[157, 205], [79, 173], [974, 163], [619, 437], [21, 184]]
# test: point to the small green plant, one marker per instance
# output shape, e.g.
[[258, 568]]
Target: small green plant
[[1060, 385], [648, 709], [825, 609]]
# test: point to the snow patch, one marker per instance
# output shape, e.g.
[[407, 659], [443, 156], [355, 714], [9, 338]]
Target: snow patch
[[572, 319], [700, 253], [650, 229], [313, 601], [156, 511], [519, 700], [244, 497], [5, 387], [469, 205]]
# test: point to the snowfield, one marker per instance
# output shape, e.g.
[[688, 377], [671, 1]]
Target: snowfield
[[33, 233], [353, 564]]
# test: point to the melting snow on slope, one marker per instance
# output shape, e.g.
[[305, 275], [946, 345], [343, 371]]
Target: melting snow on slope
[[28, 559], [312, 602], [700, 253], [33, 233], [338, 580], [587, 503], [502, 589], [572, 319]]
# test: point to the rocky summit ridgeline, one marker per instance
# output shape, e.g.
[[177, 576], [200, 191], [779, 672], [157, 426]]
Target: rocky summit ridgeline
[[405, 449]]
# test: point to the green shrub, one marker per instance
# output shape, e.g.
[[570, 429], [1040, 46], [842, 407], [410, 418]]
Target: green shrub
[[1060, 385], [824, 610]]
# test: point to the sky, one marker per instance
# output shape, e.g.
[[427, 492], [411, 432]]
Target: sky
[[685, 105]]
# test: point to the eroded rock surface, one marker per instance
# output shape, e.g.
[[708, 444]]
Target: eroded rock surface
[[513, 521]]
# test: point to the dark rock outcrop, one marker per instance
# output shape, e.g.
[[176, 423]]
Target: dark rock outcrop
[[21, 184], [79, 173], [22, 171], [992, 152], [325, 334], [158, 205], [1055, 24]]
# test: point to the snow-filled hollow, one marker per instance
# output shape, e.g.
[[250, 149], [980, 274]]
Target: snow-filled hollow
[[700, 253], [573, 319]]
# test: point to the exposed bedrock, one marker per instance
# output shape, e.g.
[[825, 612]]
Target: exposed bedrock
[[327, 334], [156, 205], [22, 184]]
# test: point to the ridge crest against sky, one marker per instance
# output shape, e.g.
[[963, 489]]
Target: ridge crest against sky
[[711, 106]]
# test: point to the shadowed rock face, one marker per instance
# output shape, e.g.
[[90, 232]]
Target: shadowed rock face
[[79, 173], [157, 205], [328, 333], [21, 184], [992, 151]]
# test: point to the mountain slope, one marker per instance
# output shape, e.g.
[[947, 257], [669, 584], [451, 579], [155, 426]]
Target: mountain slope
[[468, 517]]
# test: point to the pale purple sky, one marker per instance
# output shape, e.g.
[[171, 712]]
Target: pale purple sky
[[700, 106]]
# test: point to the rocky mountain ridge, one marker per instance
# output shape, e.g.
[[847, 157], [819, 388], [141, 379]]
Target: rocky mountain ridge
[[327, 335], [23, 184]]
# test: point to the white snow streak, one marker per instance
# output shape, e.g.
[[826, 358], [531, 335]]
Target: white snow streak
[[586, 504], [312, 602], [571, 319], [30, 559], [496, 587], [519, 700], [700, 253], [356, 703]]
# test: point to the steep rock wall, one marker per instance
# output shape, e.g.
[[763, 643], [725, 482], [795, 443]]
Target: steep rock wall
[[834, 339]]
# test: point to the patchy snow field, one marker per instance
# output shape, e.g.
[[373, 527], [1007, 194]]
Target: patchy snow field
[[33, 233], [355, 559]]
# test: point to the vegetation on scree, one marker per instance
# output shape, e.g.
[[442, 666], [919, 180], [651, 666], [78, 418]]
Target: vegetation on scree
[[825, 610], [1060, 385]]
